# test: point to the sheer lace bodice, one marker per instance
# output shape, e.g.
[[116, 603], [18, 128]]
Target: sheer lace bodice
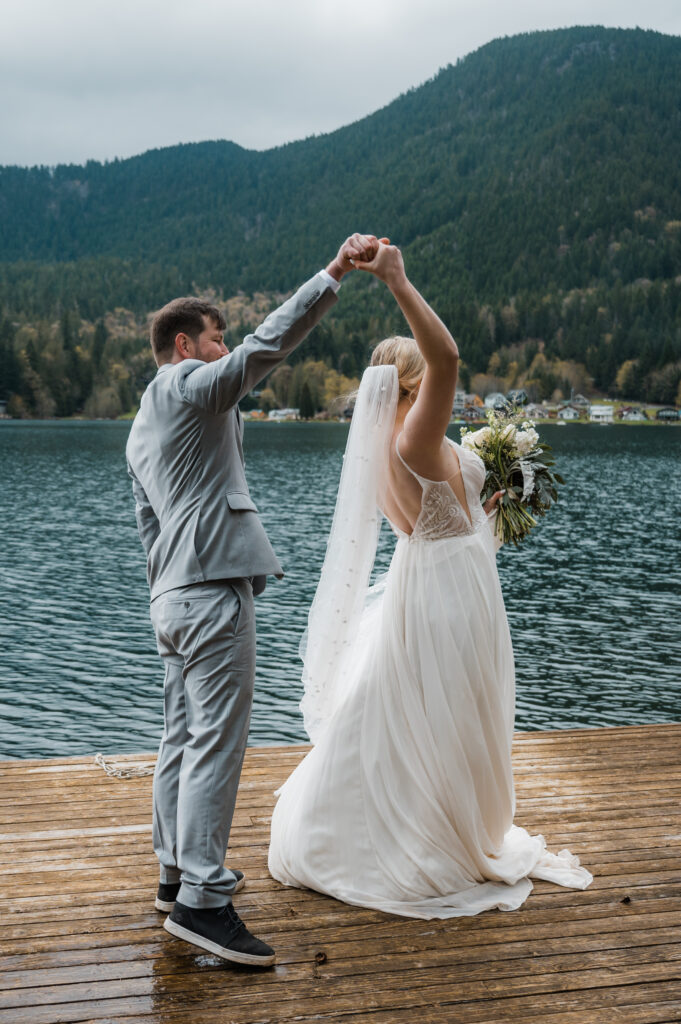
[[442, 514]]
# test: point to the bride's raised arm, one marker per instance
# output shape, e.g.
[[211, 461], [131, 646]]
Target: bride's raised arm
[[427, 420]]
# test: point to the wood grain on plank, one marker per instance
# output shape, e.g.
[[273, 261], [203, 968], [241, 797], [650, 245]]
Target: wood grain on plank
[[81, 940]]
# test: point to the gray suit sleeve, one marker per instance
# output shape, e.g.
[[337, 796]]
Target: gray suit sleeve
[[147, 524], [218, 386]]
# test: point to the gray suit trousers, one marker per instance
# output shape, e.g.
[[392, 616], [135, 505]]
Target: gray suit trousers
[[206, 638]]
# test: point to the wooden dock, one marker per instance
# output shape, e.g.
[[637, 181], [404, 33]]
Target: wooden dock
[[81, 941]]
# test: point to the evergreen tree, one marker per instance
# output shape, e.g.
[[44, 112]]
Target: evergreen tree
[[306, 408], [10, 369], [98, 345]]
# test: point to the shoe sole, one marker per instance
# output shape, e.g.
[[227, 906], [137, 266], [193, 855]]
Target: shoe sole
[[248, 959], [166, 907]]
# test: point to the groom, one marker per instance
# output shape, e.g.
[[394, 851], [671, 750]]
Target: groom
[[207, 555]]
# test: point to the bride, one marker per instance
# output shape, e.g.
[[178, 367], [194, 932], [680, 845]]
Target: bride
[[405, 803]]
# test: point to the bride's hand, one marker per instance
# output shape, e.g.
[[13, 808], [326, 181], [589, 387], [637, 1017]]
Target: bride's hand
[[491, 503], [387, 264]]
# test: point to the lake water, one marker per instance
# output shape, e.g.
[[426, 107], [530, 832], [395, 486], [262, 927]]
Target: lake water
[[593, 597]]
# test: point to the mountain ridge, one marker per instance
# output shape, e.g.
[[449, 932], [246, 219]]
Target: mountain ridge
[[534, 186]]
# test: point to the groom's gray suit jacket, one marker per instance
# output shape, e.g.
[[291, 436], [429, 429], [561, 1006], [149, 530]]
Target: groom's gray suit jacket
[[195, 517]]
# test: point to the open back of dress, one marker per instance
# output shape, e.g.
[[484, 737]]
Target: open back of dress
[[442, 513]]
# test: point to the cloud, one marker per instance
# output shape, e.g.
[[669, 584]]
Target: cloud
[[86, 79]]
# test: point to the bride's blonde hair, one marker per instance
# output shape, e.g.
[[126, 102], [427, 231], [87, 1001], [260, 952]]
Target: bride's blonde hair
[[405, 354]]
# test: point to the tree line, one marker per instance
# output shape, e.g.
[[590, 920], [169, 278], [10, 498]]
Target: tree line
[[624, 343]]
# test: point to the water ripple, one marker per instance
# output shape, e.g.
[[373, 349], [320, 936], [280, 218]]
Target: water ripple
[[592, 598]]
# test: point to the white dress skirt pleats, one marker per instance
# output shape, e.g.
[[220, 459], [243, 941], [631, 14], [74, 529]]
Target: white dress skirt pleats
[[406, 803]]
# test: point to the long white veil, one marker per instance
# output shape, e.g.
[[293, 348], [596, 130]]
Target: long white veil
[[336, 611]]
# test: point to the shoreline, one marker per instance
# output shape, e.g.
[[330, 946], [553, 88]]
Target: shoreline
[[340, 422]]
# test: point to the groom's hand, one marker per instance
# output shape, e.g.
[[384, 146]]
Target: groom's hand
[[356, 247]]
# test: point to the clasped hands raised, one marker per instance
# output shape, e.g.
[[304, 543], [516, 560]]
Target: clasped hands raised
[[371, 254]]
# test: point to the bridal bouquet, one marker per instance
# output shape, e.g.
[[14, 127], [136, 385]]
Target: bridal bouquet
[[517, 463]]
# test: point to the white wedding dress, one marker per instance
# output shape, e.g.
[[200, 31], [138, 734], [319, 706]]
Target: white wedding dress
[[405, 804]]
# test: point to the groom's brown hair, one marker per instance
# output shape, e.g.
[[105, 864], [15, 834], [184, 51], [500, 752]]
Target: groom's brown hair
[[181, 316]]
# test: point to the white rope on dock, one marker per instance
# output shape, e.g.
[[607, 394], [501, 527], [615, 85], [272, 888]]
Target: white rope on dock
[[123, 769]]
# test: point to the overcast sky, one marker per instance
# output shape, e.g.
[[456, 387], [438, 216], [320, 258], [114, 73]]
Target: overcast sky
[[90, 79]]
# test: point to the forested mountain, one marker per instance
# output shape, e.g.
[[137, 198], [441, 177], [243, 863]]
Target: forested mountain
[[535, 188]]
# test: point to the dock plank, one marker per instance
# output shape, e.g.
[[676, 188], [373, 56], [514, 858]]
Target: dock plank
[[82, 944]]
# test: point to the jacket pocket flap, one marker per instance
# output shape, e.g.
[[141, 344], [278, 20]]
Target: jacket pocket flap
[[239, 501]]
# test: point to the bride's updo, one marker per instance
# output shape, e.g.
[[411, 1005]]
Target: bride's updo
[[405, 354]]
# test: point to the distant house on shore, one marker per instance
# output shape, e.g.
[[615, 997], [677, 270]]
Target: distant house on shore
[[495, 400], [284, 414], [668, 414], [581, 402], [569, 412], [631, 413], [601, 413], [533, 411], [473, 413], [463, 401]]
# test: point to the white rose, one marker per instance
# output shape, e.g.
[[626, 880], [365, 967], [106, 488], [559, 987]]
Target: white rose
[[508, 433], [525, 440], [522, 442], [477, 439]]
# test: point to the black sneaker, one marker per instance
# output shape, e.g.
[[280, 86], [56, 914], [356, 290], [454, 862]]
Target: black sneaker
[[167, 891], [221, 931]]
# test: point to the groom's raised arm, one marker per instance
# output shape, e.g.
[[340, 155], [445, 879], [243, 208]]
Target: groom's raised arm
[[220, 385]]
